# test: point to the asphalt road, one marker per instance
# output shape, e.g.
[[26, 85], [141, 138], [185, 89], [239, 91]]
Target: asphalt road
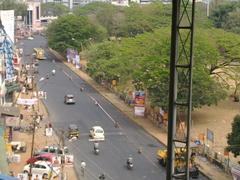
[[119, 142]]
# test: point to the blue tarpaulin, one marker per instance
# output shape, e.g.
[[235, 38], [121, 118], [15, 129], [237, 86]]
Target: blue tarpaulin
[[5, 177]]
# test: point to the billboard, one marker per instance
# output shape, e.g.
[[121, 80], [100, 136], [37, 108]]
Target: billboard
[[7, 17], [139, 99]]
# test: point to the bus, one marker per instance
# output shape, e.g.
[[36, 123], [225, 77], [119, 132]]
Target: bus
[[39, 53]]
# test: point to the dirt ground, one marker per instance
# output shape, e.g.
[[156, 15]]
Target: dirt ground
[[217, 119], [40, 141]]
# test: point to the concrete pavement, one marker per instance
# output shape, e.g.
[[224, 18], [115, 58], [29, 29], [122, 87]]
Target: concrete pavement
[[206, 167]]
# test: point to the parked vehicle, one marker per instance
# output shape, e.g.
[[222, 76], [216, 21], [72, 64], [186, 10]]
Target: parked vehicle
[[45, 169], [49, 157], [97, 133], [179, 161], [18, 146], [73, 131], [69, 99], [53, 149]]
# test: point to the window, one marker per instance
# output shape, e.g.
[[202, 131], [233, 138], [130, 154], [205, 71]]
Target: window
[[29, 18], [37, 12]]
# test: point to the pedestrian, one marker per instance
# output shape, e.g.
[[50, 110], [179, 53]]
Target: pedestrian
[[83, 166], [140, 150]]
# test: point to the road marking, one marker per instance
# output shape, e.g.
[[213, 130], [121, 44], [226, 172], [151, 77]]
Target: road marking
[[110, 117], [68, 75]]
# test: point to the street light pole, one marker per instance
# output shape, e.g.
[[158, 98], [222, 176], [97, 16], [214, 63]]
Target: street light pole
[[35, 116]]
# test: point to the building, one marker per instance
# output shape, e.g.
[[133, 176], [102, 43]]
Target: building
[[32, 20]]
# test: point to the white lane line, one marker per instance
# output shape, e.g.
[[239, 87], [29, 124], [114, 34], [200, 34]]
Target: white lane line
[[110, 117], [68, 75]]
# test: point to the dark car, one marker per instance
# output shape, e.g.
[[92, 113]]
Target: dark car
[[69, 99]]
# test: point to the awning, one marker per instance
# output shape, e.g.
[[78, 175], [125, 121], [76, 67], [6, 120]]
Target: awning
[[9, 111], [13, 87]]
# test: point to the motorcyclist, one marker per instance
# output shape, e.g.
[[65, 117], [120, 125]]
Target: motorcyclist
[[102, 177], [129, 161], [95, 146], [53, 72]]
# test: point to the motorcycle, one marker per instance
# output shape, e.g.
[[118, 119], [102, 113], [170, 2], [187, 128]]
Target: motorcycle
[[96, 148], [96, 151], [129, 163]]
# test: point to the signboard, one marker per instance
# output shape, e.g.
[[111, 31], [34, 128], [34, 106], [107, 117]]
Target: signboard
[[12, 121], [69, 159], [139, 111], [41, 94], [210, 135], [49, 132], [22, 176], [7, 17], [27, 101], [139, 99], [57, 161], [77, 61]]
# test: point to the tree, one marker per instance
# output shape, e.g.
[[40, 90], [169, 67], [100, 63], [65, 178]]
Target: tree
[[223, 13], [127, 21], [19, 7], [72, 31], [144, 60], [53, 9], [233, 138], [233, 21]]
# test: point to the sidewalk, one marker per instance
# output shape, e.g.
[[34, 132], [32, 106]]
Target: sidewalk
[[41, 140], [206, 167]]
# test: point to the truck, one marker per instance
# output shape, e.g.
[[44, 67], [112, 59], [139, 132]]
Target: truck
[[179, 163]]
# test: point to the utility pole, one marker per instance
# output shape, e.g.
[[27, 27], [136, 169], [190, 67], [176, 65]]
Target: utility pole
[[34, 116], [62, 144]]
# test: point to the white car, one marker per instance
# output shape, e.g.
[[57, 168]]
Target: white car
[[97, 133], [43, 168]]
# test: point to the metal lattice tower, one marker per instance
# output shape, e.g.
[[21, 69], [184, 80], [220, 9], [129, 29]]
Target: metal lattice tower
[[180, 89]]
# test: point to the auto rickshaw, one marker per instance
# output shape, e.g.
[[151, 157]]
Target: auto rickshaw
[[73, 131]]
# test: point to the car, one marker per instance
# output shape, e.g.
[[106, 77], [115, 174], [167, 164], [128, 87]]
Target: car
[[69, 99], [30, 38], [41, 157], [97, 133], [45, 169], [53, 149]]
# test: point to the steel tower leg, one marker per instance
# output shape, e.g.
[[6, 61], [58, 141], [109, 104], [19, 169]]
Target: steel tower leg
[[180, 88]]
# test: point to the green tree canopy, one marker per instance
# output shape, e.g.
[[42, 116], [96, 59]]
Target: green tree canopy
[[72, 31], [127, 21], [226, 16], [233, 138], [20, 9], [144, 60], [53, 9]]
